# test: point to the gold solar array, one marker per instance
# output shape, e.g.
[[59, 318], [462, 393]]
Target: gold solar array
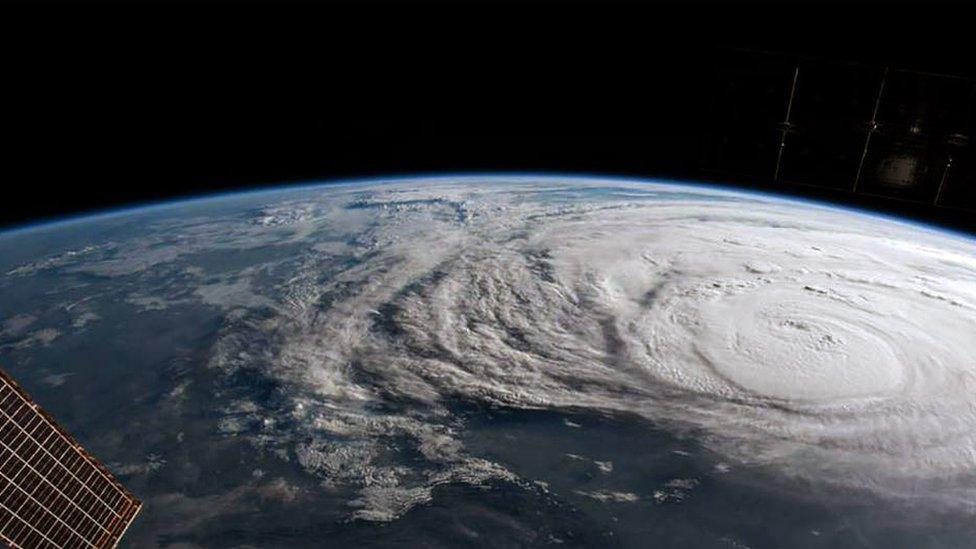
[[52, 492]]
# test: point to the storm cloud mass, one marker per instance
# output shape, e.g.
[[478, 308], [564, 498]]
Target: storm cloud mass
[[819, 342]]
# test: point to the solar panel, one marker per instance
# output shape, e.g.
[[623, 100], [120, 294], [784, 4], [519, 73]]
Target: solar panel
[[880, 131], [52, 492]]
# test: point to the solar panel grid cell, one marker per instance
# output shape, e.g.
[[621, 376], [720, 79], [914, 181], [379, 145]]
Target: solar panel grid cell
[[52, 492]]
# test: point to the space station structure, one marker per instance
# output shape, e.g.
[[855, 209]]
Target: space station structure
[[53, 493]]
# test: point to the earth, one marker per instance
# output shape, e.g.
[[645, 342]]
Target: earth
[[509, 361]]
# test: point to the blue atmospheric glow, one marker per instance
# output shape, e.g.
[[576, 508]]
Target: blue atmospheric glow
[[91, 216]]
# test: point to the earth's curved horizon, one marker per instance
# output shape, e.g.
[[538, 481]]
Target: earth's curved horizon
[[134, 208], [509, 360]]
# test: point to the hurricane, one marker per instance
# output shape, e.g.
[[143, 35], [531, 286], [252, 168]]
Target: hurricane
[[817, 343]]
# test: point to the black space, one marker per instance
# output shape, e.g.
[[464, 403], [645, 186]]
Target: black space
[[108, 105]]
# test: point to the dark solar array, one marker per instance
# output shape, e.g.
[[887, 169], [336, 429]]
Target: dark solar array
[[52, 492], [877, 131]]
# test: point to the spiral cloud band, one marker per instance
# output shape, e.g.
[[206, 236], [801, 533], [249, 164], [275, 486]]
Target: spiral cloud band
[[822, 343]]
